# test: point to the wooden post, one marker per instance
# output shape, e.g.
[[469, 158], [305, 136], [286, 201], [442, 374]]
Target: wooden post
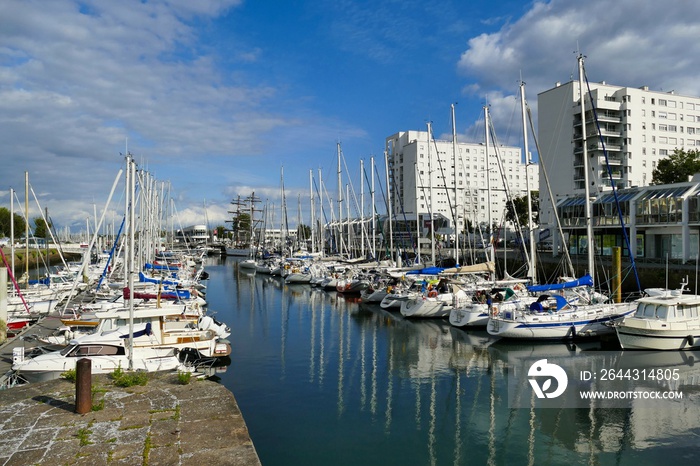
[[83, 386], [617, 273]]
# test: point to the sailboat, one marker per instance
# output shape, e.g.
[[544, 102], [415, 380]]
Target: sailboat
[[476, 312], [564, 319]]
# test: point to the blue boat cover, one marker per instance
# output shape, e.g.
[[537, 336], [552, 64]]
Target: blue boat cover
[[586, 280], [426, 271], [160, 267], [145, 279]]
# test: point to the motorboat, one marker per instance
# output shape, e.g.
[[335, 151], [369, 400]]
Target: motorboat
[[158, 336], [669, 321]]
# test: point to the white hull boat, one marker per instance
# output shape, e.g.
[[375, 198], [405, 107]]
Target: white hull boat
[[433, 306], [664, 322], [577, 322]]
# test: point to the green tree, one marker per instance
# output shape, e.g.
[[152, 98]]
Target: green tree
[[219, 231], [5, 223], [241, 227], [677, 167], [303, 232], [518, 206], [40, 228]]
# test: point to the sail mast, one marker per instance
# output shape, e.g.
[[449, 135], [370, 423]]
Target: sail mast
[[587, 204], [532, 272], [455, 219], [488, 183], [430, 199], [390, 207], [26, 226]]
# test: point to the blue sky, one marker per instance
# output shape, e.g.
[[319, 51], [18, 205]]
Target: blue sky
[[217, 97]]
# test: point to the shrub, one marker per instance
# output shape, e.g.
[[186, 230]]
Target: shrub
[[69, 375], [129, 379], [184, 377]]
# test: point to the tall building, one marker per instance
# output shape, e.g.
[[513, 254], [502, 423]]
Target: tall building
[[639, 127], [453, 182]]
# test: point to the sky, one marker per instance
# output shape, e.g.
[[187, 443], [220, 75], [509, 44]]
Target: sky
[[220, 99]]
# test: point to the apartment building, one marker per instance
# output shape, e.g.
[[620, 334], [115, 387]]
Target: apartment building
[[638, 127], [454, 182]]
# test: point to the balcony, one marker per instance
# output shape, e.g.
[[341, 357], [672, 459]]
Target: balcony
[[597, 146], [613, 159]]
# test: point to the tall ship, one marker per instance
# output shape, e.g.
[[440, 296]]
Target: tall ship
[[244, 225]]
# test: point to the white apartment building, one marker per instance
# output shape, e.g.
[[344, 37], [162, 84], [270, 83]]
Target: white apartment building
[[638, 127], [453, 181]]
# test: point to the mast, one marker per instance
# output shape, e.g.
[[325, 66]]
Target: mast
[[389, 206], [430, 202], [362, 208], [488, 183], [313, 220], [456, 217], [587, 204], [532, 268], [26, 226], [322, 233], [417, 175], [374, 213], [340, 202], [12, 231], [131, 242]]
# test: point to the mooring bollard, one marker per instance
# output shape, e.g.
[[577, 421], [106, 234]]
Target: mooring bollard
[[83, 386]]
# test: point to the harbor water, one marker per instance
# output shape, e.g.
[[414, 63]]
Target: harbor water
[[322, 379]]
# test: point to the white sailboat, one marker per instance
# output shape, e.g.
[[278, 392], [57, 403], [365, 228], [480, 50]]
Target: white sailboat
[[567, 320]]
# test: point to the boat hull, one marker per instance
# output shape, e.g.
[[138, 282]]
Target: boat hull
[[649, 339], [425, 308], [475, 315], [558, 326]]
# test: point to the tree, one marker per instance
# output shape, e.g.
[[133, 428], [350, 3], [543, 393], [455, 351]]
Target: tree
[[519, 206], [303, 232], [677, 167], [40, 228], [5, 223], [219, 231], [241, 225]]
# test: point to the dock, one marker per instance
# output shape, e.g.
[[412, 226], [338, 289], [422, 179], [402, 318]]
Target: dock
[[164, 422]]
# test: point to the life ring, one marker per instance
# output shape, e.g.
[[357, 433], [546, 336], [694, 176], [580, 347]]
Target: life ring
[[432, 294]]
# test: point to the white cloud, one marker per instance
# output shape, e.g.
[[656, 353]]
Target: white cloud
[[81, 81], [626, 42]]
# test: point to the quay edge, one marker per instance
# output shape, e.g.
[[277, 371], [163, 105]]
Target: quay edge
[[161, 423]]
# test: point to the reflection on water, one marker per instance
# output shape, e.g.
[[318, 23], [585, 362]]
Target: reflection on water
[[324, 379]]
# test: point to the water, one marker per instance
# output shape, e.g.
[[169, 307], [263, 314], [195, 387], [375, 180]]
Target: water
[[322, 380]]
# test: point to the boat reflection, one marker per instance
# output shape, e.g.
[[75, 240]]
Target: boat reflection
[[446, 388]]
